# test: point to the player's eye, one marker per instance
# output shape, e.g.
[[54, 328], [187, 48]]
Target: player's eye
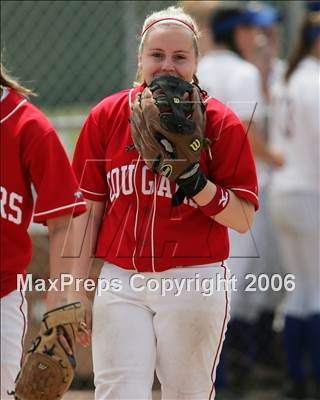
[[180, 57], [156, 55]]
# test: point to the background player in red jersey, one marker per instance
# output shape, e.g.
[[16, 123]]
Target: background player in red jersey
[[31, 154], [138, 326]]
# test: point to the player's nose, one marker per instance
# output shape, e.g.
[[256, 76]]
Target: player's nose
[[167, 65]]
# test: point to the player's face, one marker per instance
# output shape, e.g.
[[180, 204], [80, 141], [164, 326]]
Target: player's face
[[168, 51], [248, 39]]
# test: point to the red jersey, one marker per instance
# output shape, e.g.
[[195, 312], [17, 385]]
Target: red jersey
[[141, 230], [31, 153]]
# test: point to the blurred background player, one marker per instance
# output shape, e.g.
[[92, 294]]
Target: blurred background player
[[31, 155], [265, 54], [295, 204], [136, 332], [227, 75], [201, 12]]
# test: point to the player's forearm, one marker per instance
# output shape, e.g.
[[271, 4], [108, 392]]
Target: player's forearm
[[259, 147], [84, 238], [261, 150], [72, 245], [61, 260], [238, 214]]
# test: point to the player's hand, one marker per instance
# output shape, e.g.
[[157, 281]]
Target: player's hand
[[58, 299], [83, 337], [276, 159]]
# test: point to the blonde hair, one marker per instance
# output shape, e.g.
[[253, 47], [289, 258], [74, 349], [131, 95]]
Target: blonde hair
[[8, 81], [171, 16]]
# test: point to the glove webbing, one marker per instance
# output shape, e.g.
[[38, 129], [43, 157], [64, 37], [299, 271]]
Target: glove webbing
[[171, 97], [69, 314]]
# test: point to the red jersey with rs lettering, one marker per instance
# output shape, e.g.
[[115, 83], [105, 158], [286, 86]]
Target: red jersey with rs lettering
[[31, 154], [141, 230]]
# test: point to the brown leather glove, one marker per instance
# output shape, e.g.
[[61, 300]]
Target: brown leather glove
[[168, 122], [48, 367]]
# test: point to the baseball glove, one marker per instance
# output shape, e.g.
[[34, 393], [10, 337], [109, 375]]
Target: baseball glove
[[167, 125], [48, 367]]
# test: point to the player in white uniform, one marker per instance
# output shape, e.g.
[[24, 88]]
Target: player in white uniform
[[295, 204], [272, 70], [227, 76]]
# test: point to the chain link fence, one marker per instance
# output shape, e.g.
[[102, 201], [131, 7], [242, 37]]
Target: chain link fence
[[73, 53]]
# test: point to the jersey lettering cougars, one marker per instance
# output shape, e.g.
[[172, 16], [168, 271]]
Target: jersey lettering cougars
[[120, 180], [10, 209]]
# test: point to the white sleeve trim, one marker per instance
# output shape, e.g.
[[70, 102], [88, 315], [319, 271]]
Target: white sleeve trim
[[59, 208], [130, 97], [13, 111], [245, 190], [96, 194]]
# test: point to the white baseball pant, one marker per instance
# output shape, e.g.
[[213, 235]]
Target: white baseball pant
[[138, 332], [13, 329], [297, 218]]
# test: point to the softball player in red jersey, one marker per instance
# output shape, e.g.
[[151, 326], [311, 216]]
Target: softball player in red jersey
[[31, 154], [148, 246]]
